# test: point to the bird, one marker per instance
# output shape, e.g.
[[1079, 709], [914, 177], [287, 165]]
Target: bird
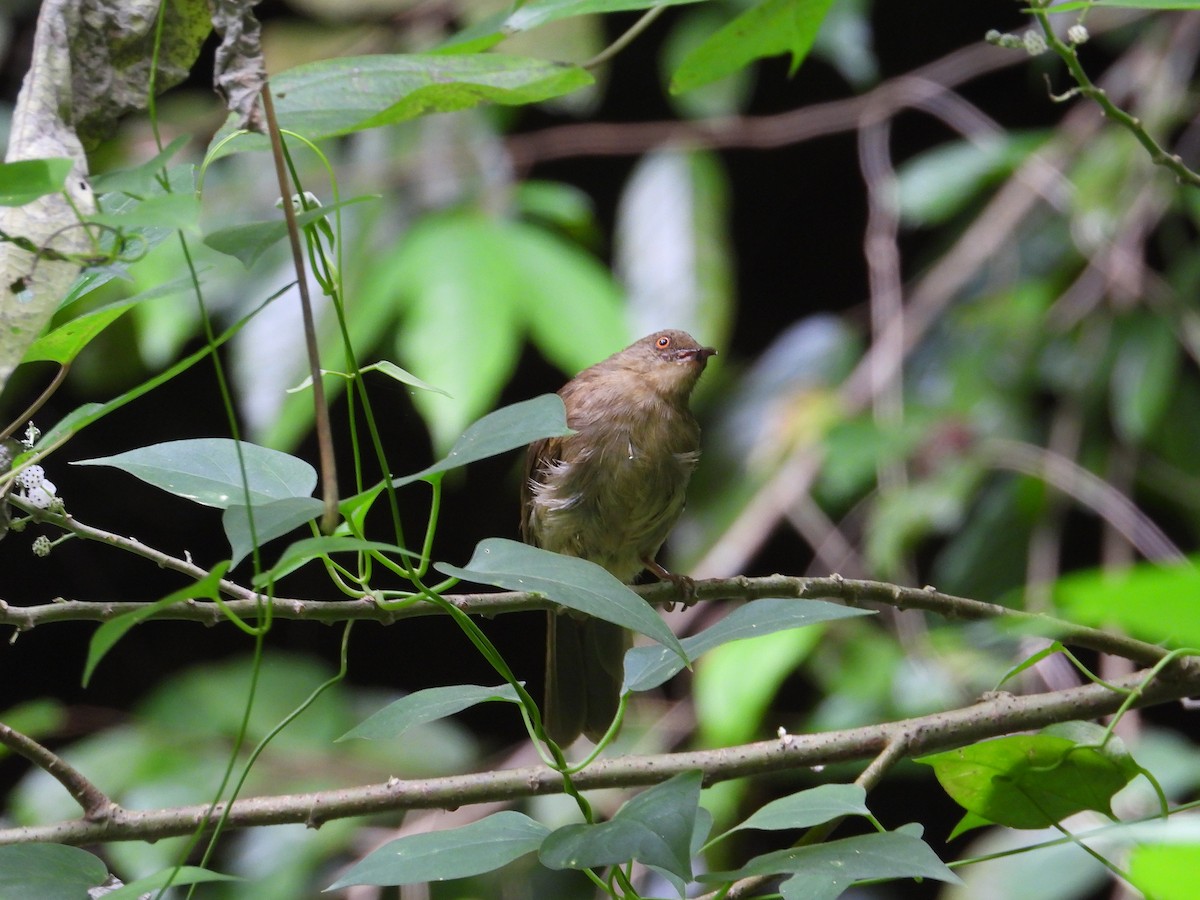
[[610, 493]]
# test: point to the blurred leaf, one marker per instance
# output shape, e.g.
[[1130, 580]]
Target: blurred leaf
[[654, 828], [49, 872], [63, 344], [672, 245], [1150, 601], [107, 635], [534, 13], [249, 242], [1073, 5], [427, 706], [139, 180], [23, 181], [167, 211], [135, 890], [271, 520], [769, 28], [726, 96], [1165, 871], [339, 96], [482, 846], [729, 707], [207, 471], [34, 718], [574, 583], [807, 808], [453, 279], [824, 871], [498, 432], [564, 206], [939, 183], [1144, 374], [648, 667], [1035, 781]]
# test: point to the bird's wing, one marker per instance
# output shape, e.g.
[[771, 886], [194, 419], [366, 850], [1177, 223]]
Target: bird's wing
[[539, 458]]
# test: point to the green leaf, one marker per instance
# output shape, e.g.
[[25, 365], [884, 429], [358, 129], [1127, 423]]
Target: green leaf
[[64, 343], [1073, 5], [271, 520], [110, 632], [807, 808], [249, 242], [1150, 601], [648, 667], [393, 371], [428, 705], [1165, 871], [306, 550], [574, 583], [49, 872], [824, 871], [535, 13], [27, 179], [206, 471], [339, 96], [654, 828], [135, 890], [505, 429], [454, 279], [1143, 375], [480, 847], [770, 28], [1034, 781], [170, 211], [938, 183], [139, 180]]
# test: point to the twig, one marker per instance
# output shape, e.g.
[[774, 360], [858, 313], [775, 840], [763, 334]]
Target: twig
[[996, 715], [857, 593], [97, 807]]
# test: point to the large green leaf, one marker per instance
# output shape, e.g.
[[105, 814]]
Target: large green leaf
[[271, 520], [824, 871], [249, 242], [654, 828], [1035, 780], [498, 432], [207, 471], [25, 180], [136, 890], [807, 808], [339, 96], [64, 343], [482, 846], [427, 706], [1073, 5], [769, 28], [1150, 601], [142, 179], [1144, 374], [49, 872], [648, 667], [574, 583]]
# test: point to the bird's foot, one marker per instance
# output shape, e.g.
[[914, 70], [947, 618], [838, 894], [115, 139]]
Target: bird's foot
[[685, 585]]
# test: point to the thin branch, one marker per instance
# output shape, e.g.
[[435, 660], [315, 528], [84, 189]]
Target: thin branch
[[630, 35], [329, 486], [1158, 154], [996, 715], [97, 807], [851, 592]]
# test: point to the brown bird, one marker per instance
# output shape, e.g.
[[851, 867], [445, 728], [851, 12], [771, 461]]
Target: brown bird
[[610, 493]]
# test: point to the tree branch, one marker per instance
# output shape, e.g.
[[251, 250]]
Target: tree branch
[[997, 714], [852, 592], [96, 804]]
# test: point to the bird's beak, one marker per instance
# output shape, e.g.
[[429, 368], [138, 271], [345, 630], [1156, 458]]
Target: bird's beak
[[700, 354]]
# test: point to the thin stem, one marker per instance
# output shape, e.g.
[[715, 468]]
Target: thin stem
[[632, 33]]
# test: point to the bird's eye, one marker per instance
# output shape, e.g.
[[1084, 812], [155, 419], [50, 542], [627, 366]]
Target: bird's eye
[[663, 342]]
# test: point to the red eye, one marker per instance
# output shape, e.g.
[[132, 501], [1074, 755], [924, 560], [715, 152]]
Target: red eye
[[663, 342]]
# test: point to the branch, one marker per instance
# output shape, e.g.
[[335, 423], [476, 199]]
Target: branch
[[851, 592], [996, 715], [96, 804]]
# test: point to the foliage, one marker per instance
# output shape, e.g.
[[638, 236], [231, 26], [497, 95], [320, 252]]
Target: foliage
[[1033, 382]]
